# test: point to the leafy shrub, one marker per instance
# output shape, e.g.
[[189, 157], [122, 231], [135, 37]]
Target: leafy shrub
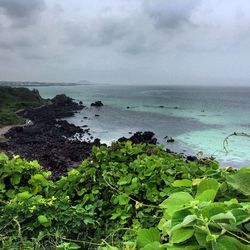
[[129, 196], [13, 99], [8, 117]]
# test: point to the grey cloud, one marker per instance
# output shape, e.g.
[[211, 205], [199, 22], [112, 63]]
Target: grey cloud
[[31, 56], [19, 43], [170, 14], [58, 9], [96, 33], [22, 12], [144, 40], [136, 44], [22, 43], [119, 33]]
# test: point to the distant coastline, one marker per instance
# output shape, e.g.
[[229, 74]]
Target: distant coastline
[[43, 84]]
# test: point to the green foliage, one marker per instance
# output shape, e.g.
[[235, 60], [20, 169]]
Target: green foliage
[[203, 222], [147, 236], [124, 197], [240, 180], [13, 99], [8, 117]]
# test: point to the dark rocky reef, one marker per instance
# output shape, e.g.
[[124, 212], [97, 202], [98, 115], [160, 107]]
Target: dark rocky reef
[[96, 104], [140, 137], [60, 106], [169, 139], [49, 140]]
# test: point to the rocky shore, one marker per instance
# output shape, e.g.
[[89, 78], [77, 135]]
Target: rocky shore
[[49, 139], [53, 141]]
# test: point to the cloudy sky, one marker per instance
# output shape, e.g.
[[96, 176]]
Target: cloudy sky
[[126, 41]]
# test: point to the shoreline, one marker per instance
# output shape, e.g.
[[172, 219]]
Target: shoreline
[[51, 140], [4, 130], [47, 138]]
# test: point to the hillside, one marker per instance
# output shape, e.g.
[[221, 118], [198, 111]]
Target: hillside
[[13, 99]]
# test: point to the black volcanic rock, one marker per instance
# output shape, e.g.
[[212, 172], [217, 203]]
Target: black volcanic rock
[[192, 158], [60, 106], [96, 104], [54, 143], [169, 139], [62, 100], [140, 137]]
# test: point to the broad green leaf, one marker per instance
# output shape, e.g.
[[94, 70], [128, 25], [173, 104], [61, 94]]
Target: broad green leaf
[[188, 221], [108, 248], [247, 226], [2, 186], [196, 182], [164, 226], [3, 157], [240, 180], [111, 248], [176, 201], [11, 193], [88, 220], [147, 236], [73, 172], [213, 209], [129, 245], [201, 238], [125, 180], [67, 246], [23, 196], [154, 246], [15, 179], [223, 216], [227, 242], [240, 215], [181, 235], [206, 196], [212, 237], [179, 216], [38, 179], [123, 199], [191, 246], [44, 221], [182, 183], [207, 184]]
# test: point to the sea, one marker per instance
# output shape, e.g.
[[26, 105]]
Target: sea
[[198, 118]]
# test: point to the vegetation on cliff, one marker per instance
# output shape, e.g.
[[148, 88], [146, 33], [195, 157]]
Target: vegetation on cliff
[[14, 99], [125, 197]]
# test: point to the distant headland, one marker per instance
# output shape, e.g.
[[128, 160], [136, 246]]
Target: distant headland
[[45, 84]]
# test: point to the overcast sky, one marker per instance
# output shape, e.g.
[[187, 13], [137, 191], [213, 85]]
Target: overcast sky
[[126, 41]]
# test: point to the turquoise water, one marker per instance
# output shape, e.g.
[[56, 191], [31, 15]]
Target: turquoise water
[[198, 118]]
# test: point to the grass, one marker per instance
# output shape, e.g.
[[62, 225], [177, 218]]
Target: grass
[[14, 99]]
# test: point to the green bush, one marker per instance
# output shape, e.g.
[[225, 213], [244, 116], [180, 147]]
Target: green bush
[[125, 197], [13, 99], [9, 117]]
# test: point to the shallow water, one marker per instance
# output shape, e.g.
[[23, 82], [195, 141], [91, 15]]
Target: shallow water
[[198, 118]]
